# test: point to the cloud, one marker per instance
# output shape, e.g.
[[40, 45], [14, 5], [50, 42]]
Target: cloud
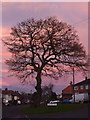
[[83, 36], [69, 11], [2, 83], [45, 0], [75, 8], [5, 32], [34, 7], [4, 70], [72, 13]]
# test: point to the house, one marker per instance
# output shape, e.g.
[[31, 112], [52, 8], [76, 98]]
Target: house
[[14, 97], [10, 95], [67, 92], [80, 89], [7, 95], [83, 88]]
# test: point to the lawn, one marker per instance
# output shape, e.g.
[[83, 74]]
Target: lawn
[[43, 109]]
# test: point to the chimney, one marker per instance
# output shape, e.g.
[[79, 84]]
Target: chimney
[[71, 83]]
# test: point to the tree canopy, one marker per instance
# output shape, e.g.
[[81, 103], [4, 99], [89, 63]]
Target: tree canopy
[[44, 47]]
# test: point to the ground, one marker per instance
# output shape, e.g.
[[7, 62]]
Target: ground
[[15, 112]]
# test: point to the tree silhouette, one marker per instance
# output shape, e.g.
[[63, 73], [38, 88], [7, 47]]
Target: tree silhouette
[[43, 47]]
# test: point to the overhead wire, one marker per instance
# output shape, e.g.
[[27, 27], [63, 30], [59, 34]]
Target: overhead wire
[[77, 23]]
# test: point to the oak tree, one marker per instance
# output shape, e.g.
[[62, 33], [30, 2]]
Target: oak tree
[[43, 47]]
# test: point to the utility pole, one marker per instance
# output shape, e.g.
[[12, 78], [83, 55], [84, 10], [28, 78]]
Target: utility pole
[[73, 84]]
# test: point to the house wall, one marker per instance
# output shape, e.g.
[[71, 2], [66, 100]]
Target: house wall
[[79, 90], [67, 92], [7, 97], [84, 90]]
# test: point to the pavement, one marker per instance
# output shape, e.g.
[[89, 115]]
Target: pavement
[[14, 112]]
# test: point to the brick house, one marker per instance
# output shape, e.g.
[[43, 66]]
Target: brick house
[[67, 92], [82, 87]]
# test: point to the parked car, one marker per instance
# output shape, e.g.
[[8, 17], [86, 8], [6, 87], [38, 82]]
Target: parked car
[[6, 103], [65, 101], [53, 103]]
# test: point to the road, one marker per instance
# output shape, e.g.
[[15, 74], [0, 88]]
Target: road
[[14, 112]]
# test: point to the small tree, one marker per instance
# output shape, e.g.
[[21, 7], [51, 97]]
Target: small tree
[[53, 96], [43, 47], [46, 93]]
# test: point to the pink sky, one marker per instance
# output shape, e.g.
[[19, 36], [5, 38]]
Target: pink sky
[[74, 13]]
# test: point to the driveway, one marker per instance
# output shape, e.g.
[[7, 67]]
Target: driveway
[[14, 112]]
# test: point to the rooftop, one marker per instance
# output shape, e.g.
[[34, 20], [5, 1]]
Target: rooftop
[[87, 81], [9, 92]]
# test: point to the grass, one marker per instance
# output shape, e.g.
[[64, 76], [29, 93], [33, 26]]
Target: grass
[[43, 109]]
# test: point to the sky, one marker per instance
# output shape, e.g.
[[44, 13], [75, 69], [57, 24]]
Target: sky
[[73, 13], [45, 0]]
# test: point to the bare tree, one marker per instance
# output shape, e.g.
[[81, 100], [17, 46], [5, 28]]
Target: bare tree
[[48, 94], [43, 47]]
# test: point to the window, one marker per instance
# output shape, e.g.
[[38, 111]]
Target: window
[[86, 86], [81, 87], [76, 88]]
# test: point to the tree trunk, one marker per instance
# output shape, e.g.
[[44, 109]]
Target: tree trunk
[[38, 88]]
